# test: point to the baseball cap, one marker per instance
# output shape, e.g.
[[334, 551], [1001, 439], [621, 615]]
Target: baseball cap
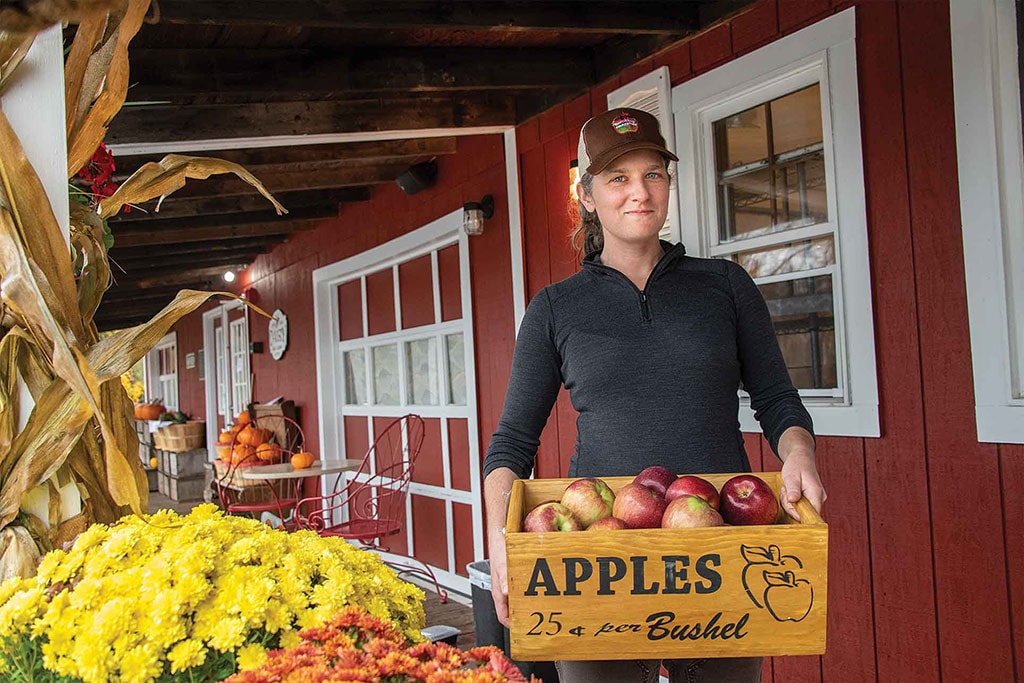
[[608, 136]]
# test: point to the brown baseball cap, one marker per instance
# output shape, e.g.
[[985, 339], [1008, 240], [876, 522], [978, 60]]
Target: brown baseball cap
[[608, 136]]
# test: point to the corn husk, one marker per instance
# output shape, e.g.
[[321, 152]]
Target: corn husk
[[13, 48], [18, 553], [96, 78], [161, 178]]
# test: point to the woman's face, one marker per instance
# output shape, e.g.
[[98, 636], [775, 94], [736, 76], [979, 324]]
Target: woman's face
[[631, 198]]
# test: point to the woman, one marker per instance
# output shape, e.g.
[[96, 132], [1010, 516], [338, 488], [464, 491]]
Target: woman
[[652, 346]]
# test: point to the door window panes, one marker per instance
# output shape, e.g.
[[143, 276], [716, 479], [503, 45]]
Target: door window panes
[[789, 258], [456, 354], [385, 375], [421, 363], [355, 376], [770, 166]]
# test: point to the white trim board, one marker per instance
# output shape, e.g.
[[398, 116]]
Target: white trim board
[[824, 53], [986, 101]]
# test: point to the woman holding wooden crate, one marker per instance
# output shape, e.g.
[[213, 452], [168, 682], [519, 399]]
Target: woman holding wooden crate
[[653, 346]]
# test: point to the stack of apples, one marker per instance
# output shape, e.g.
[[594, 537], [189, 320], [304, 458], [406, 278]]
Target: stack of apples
[[656, 498]]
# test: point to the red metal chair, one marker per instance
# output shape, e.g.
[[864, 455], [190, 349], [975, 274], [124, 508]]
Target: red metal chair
[[370, 507], [253, 497]]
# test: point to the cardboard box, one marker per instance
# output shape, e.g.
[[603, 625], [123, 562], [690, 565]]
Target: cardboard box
[[734, 591]]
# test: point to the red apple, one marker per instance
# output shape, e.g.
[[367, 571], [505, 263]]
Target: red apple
[[589, 499], [639, 507], [607, 524], [551, 516], [656, 477], [689, 512], [690, 485], [747, 499]]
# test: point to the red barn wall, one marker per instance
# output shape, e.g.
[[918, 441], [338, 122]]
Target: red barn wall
[[927, 536]]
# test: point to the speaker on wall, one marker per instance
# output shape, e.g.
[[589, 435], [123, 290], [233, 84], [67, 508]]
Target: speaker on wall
[[417, 177]]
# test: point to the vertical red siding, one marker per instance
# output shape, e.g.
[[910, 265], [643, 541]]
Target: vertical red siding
[[417, 292], [380, 302], [462, 530], [448, 276], [430, 530], [429, 467], [458, 449], [350, 309]]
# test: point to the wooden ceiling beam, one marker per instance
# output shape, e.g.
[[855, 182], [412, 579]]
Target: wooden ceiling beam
[[121, 254], [168, 73], [120, 295], [137, 270], [593, 16], [350, 175], [201, 234], [192, 276], [271, 159], [168, 124], [180, 207], [127, 226]]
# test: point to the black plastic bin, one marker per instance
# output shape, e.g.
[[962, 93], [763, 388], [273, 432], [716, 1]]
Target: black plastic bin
[[489, 630]]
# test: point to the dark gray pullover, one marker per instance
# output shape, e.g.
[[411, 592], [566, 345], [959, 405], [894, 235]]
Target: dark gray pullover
[[653, 373]]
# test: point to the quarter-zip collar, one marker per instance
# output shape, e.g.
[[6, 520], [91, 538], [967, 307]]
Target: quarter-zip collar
[[671, 253]]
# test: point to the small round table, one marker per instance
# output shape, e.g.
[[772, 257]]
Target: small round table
[[293, 477]]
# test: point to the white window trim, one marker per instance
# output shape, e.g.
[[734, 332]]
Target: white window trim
[[155, 380], [986, 100], [825, 53]]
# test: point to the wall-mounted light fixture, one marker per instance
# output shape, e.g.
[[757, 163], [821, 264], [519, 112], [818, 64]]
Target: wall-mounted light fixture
[[475, 213], [574, 180], [229, 276]]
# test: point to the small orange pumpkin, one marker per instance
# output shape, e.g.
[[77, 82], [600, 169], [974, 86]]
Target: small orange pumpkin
[[302, 460], [242, 453], [149, 411], [243, 418], [225, 437], [224, 453], [235, 428], [268, 452]]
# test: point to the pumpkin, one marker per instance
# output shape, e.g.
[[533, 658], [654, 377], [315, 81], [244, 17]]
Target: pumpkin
[[253, 436], [235, 428], [226, 437], [243, 418], [268, 452], [224, 453], [302, 460], [149, 411], [153, 462], [242, 453]]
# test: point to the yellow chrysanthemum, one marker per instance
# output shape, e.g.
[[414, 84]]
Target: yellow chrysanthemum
[[251, 656]]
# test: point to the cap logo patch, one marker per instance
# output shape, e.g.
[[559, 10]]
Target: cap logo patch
[[624, 123]]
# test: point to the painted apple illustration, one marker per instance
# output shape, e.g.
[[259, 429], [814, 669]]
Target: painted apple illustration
[[607, 524], [655, 477], [551, 516], [589, 499], [691, 485], [787, 597], [639, 507], [747, 499], [761, 561]]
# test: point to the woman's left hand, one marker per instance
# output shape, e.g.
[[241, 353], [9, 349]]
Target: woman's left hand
[[799, 472]]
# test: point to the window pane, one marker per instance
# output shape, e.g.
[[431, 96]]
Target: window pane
[[789, 258], [770, 165], [802, 312], [385, 375], [796, 120], [456, 369], [355, 377], [742, 138], [421, 366]]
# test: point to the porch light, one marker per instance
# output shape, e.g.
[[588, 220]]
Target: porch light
[[475, 213], [229, 276]]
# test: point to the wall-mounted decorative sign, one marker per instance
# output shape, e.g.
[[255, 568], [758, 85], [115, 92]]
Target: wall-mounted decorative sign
[[278, 334], [190, 361]]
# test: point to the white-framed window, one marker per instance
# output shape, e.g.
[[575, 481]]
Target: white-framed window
[[241, 395], [776, 184], [162, 373], [986, 97], [221, 345]]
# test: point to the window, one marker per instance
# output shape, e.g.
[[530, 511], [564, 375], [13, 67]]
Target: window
[[986, 97], [223, 408], [239, 351], [777, 186], [162, 372]]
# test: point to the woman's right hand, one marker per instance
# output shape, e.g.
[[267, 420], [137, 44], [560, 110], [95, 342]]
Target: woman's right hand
[[499, 575]]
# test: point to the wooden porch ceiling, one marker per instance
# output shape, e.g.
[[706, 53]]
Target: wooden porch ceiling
[[239, 71]]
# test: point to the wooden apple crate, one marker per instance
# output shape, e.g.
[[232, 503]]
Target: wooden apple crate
[[734, 591]]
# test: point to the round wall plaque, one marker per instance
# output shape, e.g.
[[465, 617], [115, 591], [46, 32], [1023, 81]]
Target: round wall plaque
[[278, 334]]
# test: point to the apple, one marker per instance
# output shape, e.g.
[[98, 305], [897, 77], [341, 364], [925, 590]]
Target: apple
[[551, 516], [607, 524], [690, 485], [748, 500], [656, 477], [690, 512], [589, 499], [639, 507]]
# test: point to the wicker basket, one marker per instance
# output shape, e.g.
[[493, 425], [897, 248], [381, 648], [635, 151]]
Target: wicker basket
[[235, 480], [181, 437]]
